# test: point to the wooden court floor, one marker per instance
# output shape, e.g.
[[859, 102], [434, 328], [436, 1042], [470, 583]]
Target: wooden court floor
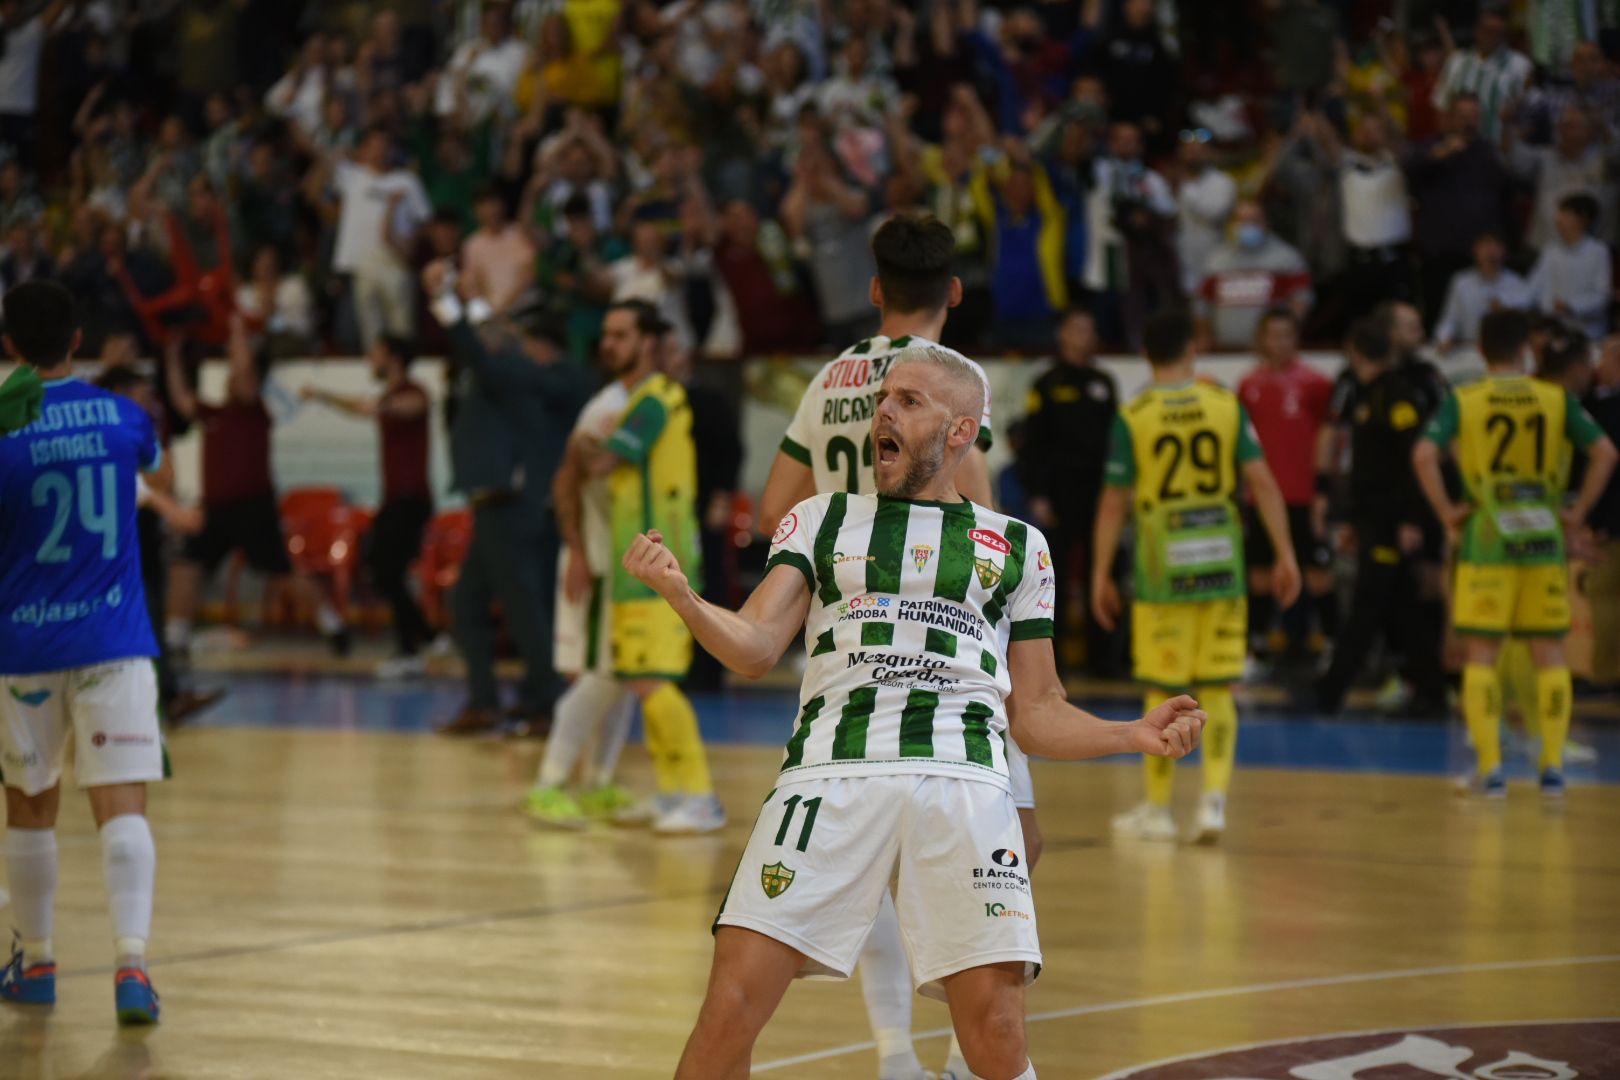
[[346, 905]]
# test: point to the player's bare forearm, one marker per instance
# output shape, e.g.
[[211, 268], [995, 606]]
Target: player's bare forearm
[[1268, 500], [973, 478], [1426, 464], [750, 641], [790, 483], [1045, 724], [1112, 509], [565, 497]]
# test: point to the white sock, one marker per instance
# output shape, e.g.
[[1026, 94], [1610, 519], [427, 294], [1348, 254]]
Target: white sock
[[31, 867], [612, 733], [129, 860], [327, 619], [572, 721], [886, 985]]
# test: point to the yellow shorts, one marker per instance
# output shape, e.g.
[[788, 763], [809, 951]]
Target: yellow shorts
[[649, 641], [1528, 601], [1180, 646]]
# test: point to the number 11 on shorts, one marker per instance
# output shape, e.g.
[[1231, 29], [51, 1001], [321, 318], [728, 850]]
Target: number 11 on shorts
[[812, 807]]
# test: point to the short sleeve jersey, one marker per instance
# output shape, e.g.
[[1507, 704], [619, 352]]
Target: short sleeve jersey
[[1181, 448], [70, 567], [913, 607], [598, 420], [655, 484], [1513, 437], [832, 430]]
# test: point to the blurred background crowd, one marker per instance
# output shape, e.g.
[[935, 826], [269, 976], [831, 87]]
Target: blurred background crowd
[[1281, 167], [726, 160]]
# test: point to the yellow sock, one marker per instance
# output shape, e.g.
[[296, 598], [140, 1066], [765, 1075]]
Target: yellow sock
[[1482, 708], [1520, 691], [1220, 737], [1553, 703], [682, 747], [665, 776], [1159, 773]]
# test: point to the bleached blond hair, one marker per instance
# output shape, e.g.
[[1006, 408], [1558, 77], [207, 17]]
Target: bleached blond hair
[[966, 382]]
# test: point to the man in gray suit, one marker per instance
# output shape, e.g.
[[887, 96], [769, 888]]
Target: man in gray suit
[[518, 399]]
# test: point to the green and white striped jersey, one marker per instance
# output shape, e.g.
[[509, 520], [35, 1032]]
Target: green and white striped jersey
[[832, 430], [913, 607]]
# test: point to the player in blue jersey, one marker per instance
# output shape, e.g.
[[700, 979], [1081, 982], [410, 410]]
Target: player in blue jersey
[[76, 649]]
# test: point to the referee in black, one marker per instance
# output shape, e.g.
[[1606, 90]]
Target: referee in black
[[1071, 414], [1386, 415]]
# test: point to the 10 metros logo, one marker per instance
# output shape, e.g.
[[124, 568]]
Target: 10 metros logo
[[1005, 873]]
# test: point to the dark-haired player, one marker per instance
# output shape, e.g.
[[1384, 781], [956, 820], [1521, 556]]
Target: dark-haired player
[[238, 492], [1512, 436], [76, 649], [828, 448], [1180, 448], [395, 538]]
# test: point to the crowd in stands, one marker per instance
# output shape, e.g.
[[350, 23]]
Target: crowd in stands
[[197, 170], [174, 159]]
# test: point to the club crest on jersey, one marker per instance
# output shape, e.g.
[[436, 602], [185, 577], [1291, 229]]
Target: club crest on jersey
[[775, 879], [989, 573], [993, 541], [921, 554]]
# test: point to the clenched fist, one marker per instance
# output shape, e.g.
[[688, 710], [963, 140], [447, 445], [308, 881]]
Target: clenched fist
[[654, 565], [1170, 730]]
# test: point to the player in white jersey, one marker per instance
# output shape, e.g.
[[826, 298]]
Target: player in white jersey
[[594, 703], [929, 628], [828, 447]]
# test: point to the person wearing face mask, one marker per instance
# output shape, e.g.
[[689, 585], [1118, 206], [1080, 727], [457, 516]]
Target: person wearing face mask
[[1204, 199], [1253, 272]]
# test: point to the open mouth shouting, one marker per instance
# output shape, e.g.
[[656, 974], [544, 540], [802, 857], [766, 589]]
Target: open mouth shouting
[[888, 448]]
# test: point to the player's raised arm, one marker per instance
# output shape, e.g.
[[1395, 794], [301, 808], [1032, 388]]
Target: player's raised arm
[[750, 641], [1046, 725]]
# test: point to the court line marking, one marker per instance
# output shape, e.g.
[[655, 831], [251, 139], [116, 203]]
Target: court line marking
[[1222, 992], [1196, 1055]]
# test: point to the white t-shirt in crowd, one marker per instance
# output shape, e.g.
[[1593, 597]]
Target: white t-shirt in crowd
[[492, 76], [19, 68], [1372, 189], [365, 195]]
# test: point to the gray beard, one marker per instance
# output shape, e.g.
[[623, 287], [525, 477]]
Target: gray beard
[[925, 465]]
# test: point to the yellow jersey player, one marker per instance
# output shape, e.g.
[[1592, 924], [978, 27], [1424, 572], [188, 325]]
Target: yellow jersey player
[[1512, 435], [1179, 449], [651, 468]]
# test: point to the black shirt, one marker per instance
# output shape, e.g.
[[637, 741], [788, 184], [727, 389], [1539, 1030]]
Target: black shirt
[[1071, 414], [1386, 419], [1604, 405]]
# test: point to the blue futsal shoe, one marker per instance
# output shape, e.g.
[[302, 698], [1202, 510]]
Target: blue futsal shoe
[[28, 984], [137, 1001]]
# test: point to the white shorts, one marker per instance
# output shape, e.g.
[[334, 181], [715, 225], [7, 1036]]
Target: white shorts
[[580, 643], [1023, 786], [109, 710], [823, 851]]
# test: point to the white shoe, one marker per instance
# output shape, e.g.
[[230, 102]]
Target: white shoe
[[694, 815], [1578, 753], [1211, 818], [443, 645], [1146, 822], [647, 811], [401, 667]]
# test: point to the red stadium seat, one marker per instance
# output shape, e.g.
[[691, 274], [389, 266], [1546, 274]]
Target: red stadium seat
[[328, 543], [444, 546]]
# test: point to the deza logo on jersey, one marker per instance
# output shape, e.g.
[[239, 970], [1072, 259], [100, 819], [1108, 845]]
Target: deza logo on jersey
[[985, 566]]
